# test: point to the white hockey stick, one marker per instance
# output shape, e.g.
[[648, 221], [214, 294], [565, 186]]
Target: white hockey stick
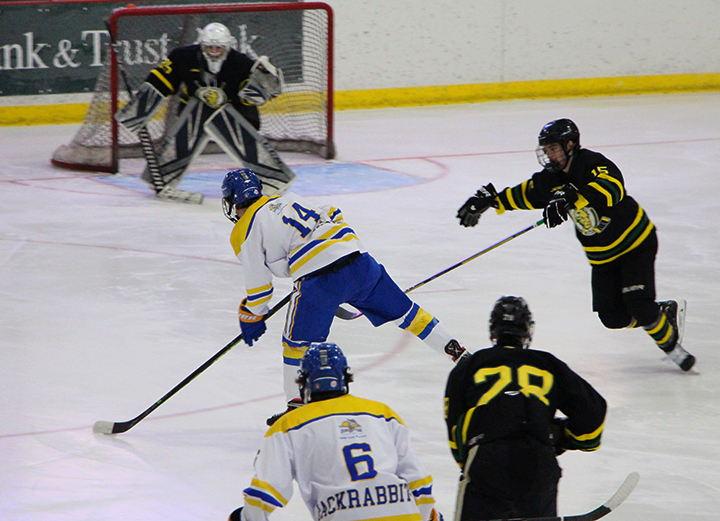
[[611, 504]]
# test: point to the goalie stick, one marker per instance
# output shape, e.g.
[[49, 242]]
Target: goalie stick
[[104, 427], [162, 190], [346, 314], [611, 504]]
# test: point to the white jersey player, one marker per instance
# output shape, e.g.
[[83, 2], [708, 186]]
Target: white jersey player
[[351, 457], [288, 236]]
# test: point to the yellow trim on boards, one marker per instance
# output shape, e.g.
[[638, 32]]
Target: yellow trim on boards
[[481, 92], [418, 96]]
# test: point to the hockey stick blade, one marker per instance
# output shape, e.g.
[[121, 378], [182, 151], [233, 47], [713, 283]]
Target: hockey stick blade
[[104, 427], [173, 194], [344, 314], [611, 504]]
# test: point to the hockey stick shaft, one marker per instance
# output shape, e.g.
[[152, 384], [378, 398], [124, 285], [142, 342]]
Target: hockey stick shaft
[[345, 314], [476, 255], [104, 427], [611, 504]]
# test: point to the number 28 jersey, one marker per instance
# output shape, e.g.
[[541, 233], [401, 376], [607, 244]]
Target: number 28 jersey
[[352, 461], [288, 237], [505, 393]]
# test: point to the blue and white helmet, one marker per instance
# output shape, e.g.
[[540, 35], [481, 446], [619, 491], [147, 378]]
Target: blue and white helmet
[[323, 369], [240, 187]]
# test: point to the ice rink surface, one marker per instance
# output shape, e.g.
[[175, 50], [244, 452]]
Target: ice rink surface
[[111, 297]]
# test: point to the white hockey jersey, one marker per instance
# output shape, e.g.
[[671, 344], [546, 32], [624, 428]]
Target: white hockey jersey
[[351, 459], [289, 237]]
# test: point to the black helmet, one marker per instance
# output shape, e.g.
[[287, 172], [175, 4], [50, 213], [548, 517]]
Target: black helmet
[[559, 131], [511, 322]]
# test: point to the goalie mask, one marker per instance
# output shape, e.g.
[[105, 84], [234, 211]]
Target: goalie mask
[[323, 369], [215, 42], [553, 152], [511, 323], [240, 187]]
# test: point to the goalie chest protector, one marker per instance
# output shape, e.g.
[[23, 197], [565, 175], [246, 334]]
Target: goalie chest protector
[[186, 66]]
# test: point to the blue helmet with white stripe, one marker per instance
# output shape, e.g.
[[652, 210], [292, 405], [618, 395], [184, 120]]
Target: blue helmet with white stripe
[[240, 187], [323, 369]]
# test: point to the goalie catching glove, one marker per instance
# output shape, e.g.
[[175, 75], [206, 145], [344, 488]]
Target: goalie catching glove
[[469, 213], [265, 83], [252, 326]]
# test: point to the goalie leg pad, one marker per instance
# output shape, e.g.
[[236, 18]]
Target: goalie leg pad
[[141, 109], [239, 139], [185, 141]]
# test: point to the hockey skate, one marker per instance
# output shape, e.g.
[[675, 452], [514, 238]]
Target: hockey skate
[[456, 351], [675, 313], [681, 357], [292, 405]]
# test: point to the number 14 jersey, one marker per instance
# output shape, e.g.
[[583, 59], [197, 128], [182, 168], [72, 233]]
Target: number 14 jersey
[[288, 237]]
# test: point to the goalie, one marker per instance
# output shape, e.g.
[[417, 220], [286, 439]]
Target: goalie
[[220, 89]]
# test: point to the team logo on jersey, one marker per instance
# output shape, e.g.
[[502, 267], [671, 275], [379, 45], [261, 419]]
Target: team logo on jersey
[[588, 222], [214, 97], [350, 426], [276, 207]]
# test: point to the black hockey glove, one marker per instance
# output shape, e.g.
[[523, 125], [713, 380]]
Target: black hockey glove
[[558, 435], [469, 213], [556, 211]]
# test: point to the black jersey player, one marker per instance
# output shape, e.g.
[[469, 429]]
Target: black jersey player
[[500, 411], [619, 239], [219, 89]]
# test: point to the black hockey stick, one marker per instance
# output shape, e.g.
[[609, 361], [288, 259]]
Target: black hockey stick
[[103, 427], [611, 504], [345, 314], [162, 190]]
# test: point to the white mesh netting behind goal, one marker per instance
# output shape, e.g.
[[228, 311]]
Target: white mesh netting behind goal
[[297, 37]]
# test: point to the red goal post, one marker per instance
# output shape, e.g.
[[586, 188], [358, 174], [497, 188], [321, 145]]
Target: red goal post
[[296, 36]]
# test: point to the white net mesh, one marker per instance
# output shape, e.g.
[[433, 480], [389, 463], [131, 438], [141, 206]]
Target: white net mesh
[[295, 40]]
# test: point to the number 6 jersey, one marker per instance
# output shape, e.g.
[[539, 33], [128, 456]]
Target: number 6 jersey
[[351, 459], [288, 237]]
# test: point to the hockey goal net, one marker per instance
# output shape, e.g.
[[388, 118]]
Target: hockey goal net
[[297, 37]]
